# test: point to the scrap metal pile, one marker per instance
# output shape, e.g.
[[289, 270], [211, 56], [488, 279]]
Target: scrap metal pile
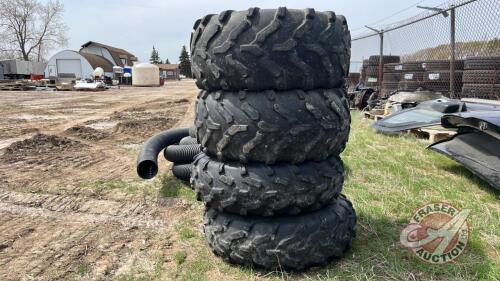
[[271, 119]]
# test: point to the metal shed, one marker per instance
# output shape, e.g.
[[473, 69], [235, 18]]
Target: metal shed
[[81, 65]]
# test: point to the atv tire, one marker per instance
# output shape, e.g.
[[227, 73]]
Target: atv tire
[[482, 63], [442, 65], [267, 190], [271, 49], [291, 126], [484, 91], [410, 86], [412, 66], [286, 242], [481, 77], [392, 77], [375, 60], [372, 70], [393, 67]]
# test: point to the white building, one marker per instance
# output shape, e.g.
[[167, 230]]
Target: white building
[[81, 65]]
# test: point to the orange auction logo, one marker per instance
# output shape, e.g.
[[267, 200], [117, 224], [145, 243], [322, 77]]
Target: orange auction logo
[[437, 233]]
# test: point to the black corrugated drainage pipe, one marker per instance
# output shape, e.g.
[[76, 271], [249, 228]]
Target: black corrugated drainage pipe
[[147, 161], [181, 154]]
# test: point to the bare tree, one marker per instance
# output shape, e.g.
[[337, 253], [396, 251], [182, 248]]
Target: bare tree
[[30, 28]]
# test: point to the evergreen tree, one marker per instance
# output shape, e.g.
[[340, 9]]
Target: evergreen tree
[[185, 63], [155, 57], [167, 61]]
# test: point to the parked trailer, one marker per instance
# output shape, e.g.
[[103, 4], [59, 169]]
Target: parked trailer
[[19, 69]]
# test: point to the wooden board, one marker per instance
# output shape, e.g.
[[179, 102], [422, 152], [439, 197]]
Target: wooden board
[[433, 134], [375, 117]]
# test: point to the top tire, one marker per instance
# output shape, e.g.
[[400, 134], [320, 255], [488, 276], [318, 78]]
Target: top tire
[[272, 49]]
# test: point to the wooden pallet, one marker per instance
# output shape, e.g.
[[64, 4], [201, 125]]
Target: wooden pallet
[[433, 134], [375, 117]]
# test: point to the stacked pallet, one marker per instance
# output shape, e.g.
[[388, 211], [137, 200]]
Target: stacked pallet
[[20, 85]]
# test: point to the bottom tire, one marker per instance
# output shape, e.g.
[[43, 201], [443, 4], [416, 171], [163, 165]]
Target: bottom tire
[[286, 242]]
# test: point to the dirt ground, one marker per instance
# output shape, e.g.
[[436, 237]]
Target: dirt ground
[[71, 204]]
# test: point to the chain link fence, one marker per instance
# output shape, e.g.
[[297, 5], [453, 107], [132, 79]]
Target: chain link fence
[[453, 48]]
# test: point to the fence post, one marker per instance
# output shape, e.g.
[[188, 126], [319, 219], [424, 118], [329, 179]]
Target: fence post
[[452, 53], [381, 61]]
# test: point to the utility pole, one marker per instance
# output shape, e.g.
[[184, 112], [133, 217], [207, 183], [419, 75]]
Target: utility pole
[[452, 42], [452, 54], [381, 59]]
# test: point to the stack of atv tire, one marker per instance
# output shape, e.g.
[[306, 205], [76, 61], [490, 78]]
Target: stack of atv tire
[[272, 118], [372, 70], [363, 70], [413, 76], [392, 75], [481, 78], [437, 75]]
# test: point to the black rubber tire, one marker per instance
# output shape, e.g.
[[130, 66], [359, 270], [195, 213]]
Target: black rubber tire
[[291, 126], [372, 71], [388, 88], [481, 77], [268, 49], [444, 65], [375, 60], [412, 66], [393, 67], [392, 77], [188, 140], [411, 86], [365, 63], [267, 190], [361, 98], [442, 87], [182, 171], [354, 75], [482, 63], [485, 91], [285, 242], [413, 76], [182, 154], [441, 76]]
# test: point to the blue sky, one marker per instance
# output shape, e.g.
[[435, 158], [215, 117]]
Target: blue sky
[[138, 25]]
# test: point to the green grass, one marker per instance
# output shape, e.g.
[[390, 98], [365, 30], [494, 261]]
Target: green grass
[[172, 187], [387, 179], [82, 269], [164, 186], [186, 229], [180, 257]]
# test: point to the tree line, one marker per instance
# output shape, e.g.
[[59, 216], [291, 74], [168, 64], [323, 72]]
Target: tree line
[[184, 61]]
